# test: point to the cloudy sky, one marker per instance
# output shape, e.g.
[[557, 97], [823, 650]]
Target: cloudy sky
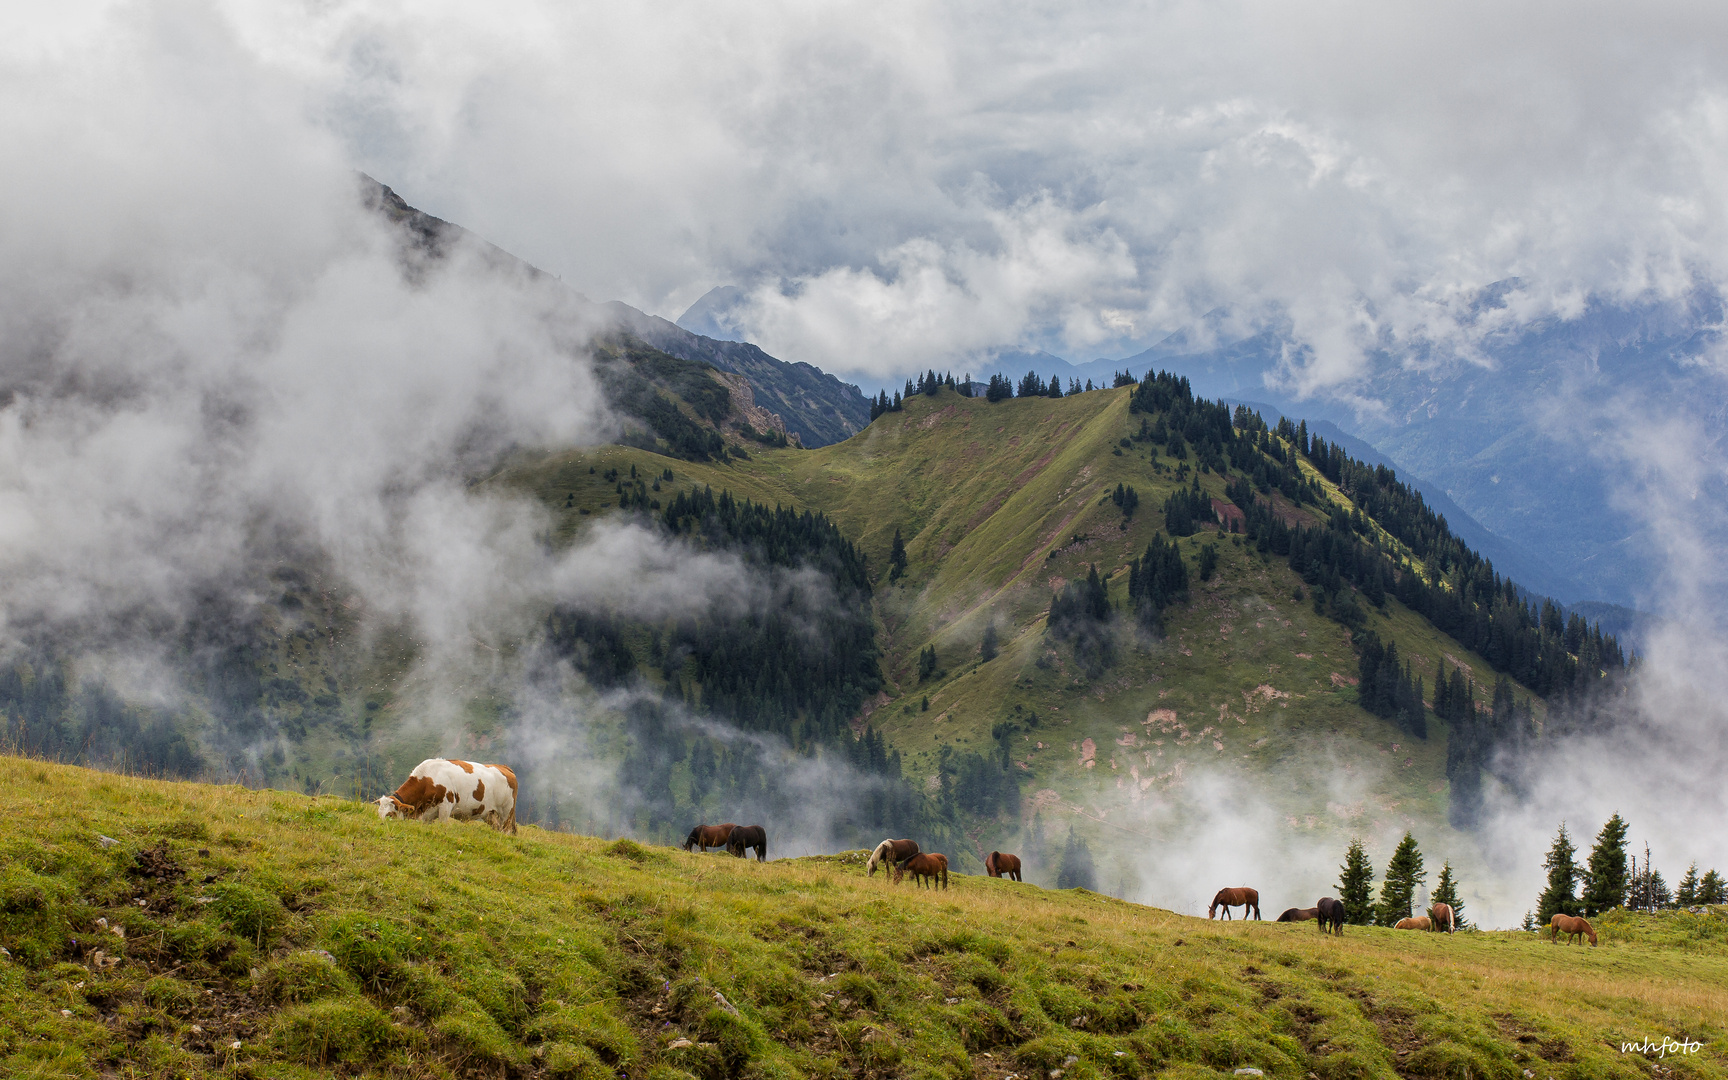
[[904, 184]]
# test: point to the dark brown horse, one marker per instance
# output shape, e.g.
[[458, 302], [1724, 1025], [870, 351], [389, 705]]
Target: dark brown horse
[[1573, 927], [1299, 914], [748, 836], [707, 836], [892, 853], [1331, 914], [997, 864], [932, 866], [1243, 898]]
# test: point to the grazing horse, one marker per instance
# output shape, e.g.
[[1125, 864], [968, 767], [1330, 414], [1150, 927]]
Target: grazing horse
[[1299, 914], [933, 866], [707, 836], [1420, 922], [1444, 918], [997, 864], [893, 853], [1243, 898], [748, 836], [1573, 927], [1331, 915]]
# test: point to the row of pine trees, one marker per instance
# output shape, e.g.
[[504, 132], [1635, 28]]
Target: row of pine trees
[[1405, 874], [1610, 878]]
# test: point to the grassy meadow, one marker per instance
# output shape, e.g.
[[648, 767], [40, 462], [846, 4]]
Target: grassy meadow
[[176, 930]]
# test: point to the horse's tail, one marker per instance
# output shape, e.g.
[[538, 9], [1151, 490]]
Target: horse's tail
[[1451, 919]]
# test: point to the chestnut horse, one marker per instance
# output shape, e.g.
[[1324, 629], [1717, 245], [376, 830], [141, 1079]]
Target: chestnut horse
[[748, 836], [1243, 898], [1331, 915], [1444, 918], [1299, 914], [1573, 927], [892, 852], [1420, 922], [707, 836], [933, 866], [997, 864]]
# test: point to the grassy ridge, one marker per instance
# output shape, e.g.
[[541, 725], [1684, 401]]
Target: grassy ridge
[[287, 936], [999, 504]]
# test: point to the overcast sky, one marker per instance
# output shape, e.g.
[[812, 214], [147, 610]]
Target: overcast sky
[[901, 184]]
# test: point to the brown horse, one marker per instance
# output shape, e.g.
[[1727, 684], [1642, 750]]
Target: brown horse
[[893, 853], [1299, 914], [933, 866], [1331, 915], [707, 836], [998, 864], [748, 836], [1420, 922], [1243, 898], [1443, 918], [1573, 927]]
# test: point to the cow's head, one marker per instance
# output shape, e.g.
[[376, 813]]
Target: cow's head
[[389, 806]]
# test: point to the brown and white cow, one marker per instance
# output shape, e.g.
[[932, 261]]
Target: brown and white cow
[[441, 789]]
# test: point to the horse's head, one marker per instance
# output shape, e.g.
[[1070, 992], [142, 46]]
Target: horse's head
[[690, 841]]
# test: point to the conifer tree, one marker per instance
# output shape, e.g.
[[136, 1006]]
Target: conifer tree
[[1446, 892], [1356, 886], [987, 648], [1404, 874], [1558, 898], [1077, 871], [1686, 893], [896, 558], [1605, 881], [1712, 889], [1529, 923]]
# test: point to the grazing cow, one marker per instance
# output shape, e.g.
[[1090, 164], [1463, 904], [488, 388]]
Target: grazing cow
[[891, 853], [707, 836], [1443, 918], [932, 867], [748, 836], [441, 789], [1299, 914], [1573, 927], [999, 864], [1244, 898], [1420, 922], [1331, 915]]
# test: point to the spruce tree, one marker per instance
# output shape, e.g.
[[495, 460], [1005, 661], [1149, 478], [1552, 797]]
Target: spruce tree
[[1558, 898], [896, 558], [1605, 881], [1446, 892], [988, 647], [1356, 886], [1686, 893], [1404, 874], [1529, 923], [1712, 889], [1077, 871]]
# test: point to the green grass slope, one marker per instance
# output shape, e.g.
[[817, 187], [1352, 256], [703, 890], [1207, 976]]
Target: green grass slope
[[268, 934], [999, 504]]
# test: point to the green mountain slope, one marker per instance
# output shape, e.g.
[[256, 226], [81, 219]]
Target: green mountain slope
[[185, 930], [999, 505]]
